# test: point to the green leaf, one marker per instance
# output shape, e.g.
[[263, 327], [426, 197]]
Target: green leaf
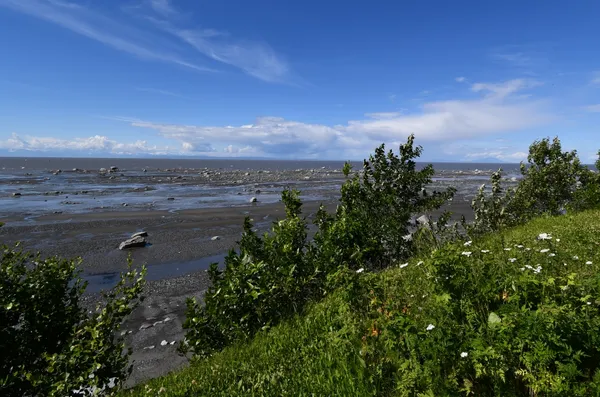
[[493, 319]]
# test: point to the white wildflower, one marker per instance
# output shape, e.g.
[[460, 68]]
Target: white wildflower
[[576, 257], [588, 263], [485, 251], [527, 249], [544, 236], [430, 327], [507, 249], [419, 263], [403, 265], [468, 243], [519, 246], [544, 250], [557, 240], [588, 303], [512, 260], [464, 354], [360, 270], [552, 254], [522, 269], [467, 253]]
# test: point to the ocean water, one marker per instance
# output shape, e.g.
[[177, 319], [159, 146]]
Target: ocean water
[[31, 187], [20, 165]]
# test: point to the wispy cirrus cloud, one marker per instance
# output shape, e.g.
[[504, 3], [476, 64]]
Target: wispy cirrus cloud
[[98, 27], [595, 80], [152, 31]]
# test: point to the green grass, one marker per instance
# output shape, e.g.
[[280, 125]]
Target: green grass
[[522, 330]]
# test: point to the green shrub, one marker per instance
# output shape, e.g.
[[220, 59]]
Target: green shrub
[[550, 181], [268, 280], [50, 345], [372, 221]]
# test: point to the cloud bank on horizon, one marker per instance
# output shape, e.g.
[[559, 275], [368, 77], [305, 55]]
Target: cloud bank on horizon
[[262, 82]]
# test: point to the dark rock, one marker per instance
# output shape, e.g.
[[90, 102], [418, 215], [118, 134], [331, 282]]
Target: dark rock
[[171, 198], [16, 194], [253, 200], [114, 168], [257, 191], [133, 242]]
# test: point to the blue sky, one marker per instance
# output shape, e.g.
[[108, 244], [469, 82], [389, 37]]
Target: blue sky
[[473, 80]]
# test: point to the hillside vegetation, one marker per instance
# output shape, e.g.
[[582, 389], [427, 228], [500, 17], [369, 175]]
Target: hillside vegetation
[[505, 305]]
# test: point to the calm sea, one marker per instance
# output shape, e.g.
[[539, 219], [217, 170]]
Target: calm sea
[[29, 164]]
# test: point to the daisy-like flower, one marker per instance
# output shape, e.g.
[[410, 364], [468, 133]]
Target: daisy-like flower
[[360, 270], [467, 253], [557, 240], [468, 243], [507, 249], [589, 263], [464, 354], [512, 260], [430, 327], [527, 249], [403, 265], [519, 246], [544, 250], [552, 254], [419, 263], [576, 257], [588, 303], [544, 236], [485, 251]]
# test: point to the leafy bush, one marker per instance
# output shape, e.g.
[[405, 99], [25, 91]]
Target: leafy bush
[[372, 221], [50, 345], [550, 181], [269, 279]]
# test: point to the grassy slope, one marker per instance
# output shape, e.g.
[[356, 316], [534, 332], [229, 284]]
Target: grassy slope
[[322, 353]]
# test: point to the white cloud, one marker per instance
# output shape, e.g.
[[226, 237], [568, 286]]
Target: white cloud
[[501, 90], [460, 79], [97, 143], [105, 30], [502, 155], [255, 58], [437, 122], [595, 78], [593, 108]]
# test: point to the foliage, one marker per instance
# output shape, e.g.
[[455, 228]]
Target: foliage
[[269, 279], [274, 276], [50, 345], [496, 316], [376, 207], [550, 181]]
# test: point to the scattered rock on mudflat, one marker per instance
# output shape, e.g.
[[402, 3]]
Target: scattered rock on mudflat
[[145, 326], [164, 343], [102, 170], [114, 168], [16, 194], [253, 200], [215, 238], [133, 242], [171, 198], [140, 234]]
